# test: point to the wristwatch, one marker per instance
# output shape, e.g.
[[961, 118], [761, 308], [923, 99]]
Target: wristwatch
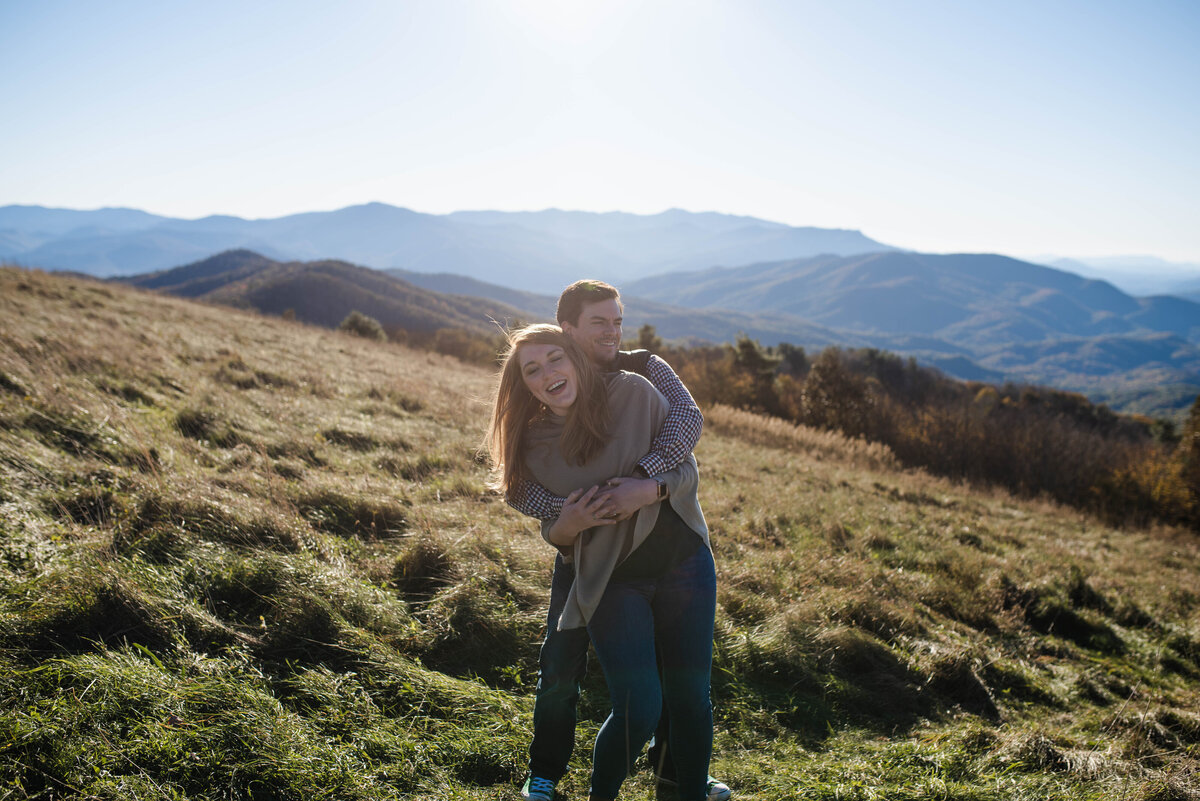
[[662, 487]]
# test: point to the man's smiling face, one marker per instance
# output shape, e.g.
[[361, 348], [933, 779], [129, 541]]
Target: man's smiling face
[[598, 330]]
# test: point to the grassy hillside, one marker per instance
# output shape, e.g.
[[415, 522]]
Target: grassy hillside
[[246, 558]]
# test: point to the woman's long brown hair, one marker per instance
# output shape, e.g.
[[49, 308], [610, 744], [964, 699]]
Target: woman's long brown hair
[[514, 407]]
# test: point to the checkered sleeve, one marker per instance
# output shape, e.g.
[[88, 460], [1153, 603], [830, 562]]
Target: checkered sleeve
[[681, 430], [534, 500]]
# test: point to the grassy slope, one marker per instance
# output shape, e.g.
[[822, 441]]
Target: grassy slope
[[242, 558]]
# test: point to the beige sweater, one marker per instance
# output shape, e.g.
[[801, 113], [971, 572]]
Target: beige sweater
[[638, 410]]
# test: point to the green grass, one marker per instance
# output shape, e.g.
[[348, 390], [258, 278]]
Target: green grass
[[245, 558]]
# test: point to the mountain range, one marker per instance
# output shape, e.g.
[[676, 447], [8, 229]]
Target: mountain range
[[538, 251]]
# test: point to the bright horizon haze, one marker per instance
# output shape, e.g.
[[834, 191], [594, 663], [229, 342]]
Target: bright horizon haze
[[1064, 128]]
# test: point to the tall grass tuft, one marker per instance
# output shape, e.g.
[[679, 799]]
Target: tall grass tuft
[[816, 443]]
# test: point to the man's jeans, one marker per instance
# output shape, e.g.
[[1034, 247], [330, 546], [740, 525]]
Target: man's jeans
[[561, 666], [638, 625]]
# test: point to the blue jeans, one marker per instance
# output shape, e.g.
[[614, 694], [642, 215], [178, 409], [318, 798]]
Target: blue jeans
[[638, 625]]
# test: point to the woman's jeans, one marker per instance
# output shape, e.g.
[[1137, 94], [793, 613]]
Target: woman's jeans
[[672, 617], [562, 664]]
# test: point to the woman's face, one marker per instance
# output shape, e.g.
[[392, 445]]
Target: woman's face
[[550, 375]]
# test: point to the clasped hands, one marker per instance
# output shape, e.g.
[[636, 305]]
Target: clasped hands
[[601, 505], [615, 500]]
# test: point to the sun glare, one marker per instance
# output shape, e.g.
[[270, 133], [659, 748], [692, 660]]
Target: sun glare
[[568, 19]]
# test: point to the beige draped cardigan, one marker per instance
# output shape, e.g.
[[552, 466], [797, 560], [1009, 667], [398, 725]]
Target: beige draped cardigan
[[638, 411]]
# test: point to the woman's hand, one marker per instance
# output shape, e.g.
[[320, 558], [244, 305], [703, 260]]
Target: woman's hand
[[582, 509], [625, 496]]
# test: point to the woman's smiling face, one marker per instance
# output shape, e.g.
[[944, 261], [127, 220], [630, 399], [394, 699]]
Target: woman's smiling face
[[550, 375]]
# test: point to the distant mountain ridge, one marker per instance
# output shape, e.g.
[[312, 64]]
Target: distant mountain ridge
[[536, 251], [1137, 275], [978, 300]]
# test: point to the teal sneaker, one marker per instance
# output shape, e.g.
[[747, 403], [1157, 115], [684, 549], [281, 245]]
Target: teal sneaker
[[718, 791], [538, 789]]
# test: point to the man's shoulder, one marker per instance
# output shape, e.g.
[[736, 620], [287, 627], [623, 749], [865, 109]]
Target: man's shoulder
[[628, 390], [626, 379], [633, 361]]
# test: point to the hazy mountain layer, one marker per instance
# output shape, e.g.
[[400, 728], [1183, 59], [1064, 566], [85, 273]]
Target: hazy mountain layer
[[1137, 275]]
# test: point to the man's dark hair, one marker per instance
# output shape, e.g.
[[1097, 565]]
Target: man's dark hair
[[577, 295]]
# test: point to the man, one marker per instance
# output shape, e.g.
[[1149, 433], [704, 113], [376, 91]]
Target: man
[[590, 312]]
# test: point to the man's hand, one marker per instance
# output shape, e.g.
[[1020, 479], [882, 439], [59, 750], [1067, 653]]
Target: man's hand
[[624, 496]]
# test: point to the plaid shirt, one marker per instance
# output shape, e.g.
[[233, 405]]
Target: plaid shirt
[[676, 439]]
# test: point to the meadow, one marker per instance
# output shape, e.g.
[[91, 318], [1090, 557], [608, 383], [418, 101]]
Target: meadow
[[245, 558]]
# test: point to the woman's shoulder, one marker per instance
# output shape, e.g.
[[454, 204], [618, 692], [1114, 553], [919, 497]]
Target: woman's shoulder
[[545, 427]]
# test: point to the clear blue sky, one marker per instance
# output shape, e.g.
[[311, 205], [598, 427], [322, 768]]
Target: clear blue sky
[[1069, 128]]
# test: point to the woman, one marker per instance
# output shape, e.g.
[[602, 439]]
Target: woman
[[645, 587]]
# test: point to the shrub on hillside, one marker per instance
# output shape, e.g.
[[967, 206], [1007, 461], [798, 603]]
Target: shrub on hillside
[[468, 346], [361, 325], [835, 396]]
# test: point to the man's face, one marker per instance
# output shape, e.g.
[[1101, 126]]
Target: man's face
[[598, 331]]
